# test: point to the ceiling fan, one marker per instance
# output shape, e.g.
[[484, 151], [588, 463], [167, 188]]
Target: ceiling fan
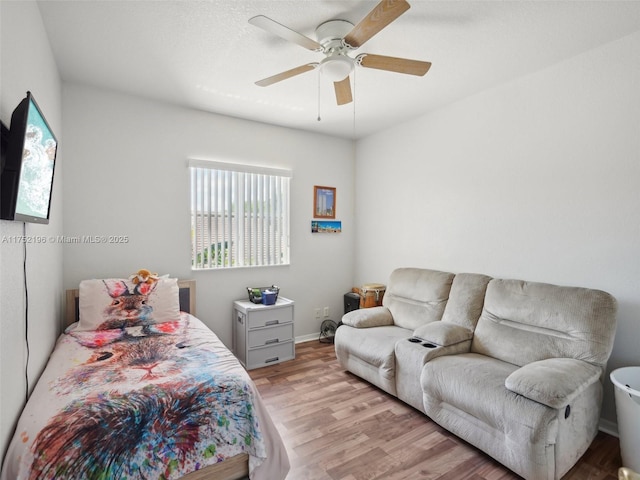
[[336, 38]]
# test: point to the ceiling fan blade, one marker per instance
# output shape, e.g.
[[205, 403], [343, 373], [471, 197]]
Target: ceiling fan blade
[[280, 30], [265, 82], [393, 64], [382, 15], [343, 91]]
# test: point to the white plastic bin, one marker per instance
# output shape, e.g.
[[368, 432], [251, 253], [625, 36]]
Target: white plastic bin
[[627, 391]]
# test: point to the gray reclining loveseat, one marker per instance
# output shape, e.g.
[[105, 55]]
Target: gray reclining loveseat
[[515, 368]]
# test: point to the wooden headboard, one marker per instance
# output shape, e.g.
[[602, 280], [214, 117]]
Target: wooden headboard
[[187, 292]]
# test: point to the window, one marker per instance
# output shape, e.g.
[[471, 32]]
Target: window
[[239, 215]]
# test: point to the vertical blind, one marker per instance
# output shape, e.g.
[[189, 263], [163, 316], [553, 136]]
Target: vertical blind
[[239, 215]]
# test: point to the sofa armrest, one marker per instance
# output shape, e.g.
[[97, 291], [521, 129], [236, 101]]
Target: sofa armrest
[[368, 317], [443, 334], [554, 382]]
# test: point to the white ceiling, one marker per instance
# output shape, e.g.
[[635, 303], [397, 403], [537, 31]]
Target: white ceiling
[[205, 55]]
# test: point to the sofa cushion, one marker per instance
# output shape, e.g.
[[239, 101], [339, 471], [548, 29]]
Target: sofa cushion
[[369, 353], [523, 322], [474, 385], [466, 299], [554, 382], [417, 296], [368, 317]]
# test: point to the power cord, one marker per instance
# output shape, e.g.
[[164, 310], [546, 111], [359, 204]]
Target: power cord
[[26, 311]]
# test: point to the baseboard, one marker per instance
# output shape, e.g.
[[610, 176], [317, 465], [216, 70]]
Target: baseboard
[[307, 338], [609, 427]]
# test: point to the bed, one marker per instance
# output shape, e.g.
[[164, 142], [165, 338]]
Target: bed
[[156, 397]]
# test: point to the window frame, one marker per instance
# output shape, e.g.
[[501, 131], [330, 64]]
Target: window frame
[[252, 228]]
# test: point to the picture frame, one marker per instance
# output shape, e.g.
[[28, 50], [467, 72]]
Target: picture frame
[[326, 226], [324, 202]]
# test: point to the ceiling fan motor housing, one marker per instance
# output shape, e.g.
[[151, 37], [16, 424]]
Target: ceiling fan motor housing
[[332, 31], [337, 65]]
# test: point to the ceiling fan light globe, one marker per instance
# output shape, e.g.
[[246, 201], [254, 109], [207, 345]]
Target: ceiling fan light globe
[[336, 68]]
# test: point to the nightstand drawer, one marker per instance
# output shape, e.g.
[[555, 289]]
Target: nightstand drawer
[[269, 317], [270, 335], [270, 355]]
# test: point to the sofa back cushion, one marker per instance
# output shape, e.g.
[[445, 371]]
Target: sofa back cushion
[[523, 322], [417, 296], [466, 299]]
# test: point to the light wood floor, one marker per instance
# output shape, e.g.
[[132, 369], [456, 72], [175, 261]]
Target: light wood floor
[[338, 427]]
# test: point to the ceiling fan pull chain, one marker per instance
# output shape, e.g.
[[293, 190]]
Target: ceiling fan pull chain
[[319, 74], [355, 93]]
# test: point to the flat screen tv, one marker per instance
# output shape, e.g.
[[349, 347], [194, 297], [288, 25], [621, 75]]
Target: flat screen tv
[[28, 164]]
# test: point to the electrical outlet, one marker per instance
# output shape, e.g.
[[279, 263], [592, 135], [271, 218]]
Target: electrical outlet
[[326, 312], [317, 313]]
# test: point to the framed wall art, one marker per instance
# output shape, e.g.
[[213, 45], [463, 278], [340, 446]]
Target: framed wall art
[[324, 202], [326, 226]]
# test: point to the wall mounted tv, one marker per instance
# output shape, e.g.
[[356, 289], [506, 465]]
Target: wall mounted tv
[[28, 163]]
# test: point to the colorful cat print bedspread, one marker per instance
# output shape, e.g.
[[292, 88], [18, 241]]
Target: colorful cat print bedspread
[[154, 401]]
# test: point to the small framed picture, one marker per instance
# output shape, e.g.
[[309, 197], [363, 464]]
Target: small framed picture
[[326, 226], [324, 202]]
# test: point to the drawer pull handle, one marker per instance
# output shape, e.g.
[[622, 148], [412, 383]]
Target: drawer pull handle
[[272, 322], [273, 340], [270, 360]]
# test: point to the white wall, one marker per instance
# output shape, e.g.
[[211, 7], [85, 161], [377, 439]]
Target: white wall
[[537, 179], [31, 69], [126, 174]]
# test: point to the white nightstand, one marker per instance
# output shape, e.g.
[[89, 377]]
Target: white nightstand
[[263, 334]]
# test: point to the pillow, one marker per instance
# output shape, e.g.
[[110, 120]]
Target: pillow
[[119, 303]]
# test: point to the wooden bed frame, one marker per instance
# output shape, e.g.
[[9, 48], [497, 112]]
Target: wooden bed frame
[[234, 468]]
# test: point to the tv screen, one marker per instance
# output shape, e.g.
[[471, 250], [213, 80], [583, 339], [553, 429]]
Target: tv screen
[[27, 177]]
